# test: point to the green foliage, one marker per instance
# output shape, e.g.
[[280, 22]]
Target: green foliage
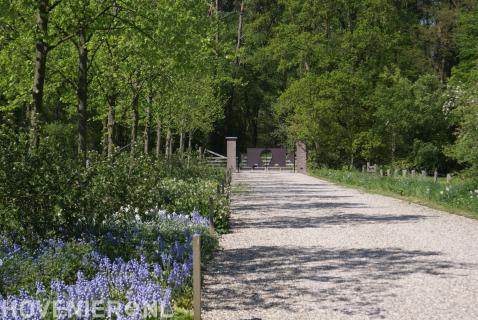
[[48, 195], [462, 103], [465, 112], [51, 260]]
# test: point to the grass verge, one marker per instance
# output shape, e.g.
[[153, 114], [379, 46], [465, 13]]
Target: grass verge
[[458, 197]]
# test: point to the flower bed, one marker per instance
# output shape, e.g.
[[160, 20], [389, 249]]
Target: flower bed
[[140, 268]]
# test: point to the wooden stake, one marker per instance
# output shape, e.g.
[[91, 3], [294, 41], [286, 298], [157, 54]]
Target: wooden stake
[[197, 276], [211, 214], [435, 176]]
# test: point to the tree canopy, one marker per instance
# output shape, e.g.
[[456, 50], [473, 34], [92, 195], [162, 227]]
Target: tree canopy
[[392, 82]]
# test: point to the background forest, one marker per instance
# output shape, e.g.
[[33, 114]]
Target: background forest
[[390, 82]]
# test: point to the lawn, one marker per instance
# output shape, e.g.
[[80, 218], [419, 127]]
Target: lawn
[[459, 196]]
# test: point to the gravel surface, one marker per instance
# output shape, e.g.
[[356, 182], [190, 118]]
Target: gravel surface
[[302, 248]]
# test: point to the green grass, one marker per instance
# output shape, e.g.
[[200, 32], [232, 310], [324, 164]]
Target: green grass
[[460, 196], [183, 314]]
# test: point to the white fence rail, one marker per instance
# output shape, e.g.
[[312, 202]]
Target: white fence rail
[[215, 159]]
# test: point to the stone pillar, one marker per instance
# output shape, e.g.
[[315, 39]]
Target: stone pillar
[[300, 157], [231, 153]]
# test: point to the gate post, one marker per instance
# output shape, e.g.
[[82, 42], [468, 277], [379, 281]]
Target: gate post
[[231, 153], [301, 157]]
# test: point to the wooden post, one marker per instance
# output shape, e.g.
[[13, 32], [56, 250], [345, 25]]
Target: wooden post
[[414, 172], [381, 172], [435, 176], [424, 173], [197, 276], [201, 153], [231, 153], [389, 172], [211, 214], [448, 178], [395, 172], [363, 169], [404, 172]]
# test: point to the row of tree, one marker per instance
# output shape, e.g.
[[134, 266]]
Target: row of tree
[[386, 81], [114, 73]]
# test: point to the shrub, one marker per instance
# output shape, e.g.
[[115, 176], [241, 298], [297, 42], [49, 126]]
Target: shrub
[[47, 195]]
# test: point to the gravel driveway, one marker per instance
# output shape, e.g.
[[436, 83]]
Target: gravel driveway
[[302, 248]]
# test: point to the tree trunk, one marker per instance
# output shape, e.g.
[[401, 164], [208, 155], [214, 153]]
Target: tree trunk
[[147, 124], [158, 137], [134, 120], [104, 136], [239, 32], [39, 71], [82, 94], [394, 147], [111, 123], [171, 144], [190, 141], [217, 26], [168, 144], [181, 142]]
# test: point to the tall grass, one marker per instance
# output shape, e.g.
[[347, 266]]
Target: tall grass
[[460, 195]]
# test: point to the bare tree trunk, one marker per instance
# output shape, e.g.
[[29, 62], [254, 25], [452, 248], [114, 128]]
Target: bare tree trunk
[[171, 145], [239, 32], [41, 48], [394, 147], [134, 120], [82, 94], [147, 124], [317, 150], [190, 141], [111, 123], [181, 142], [217, 26], [104, 136], [168, 144], [158, 137]]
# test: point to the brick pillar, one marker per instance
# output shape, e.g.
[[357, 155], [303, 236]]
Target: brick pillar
[[231, 153], [300, 157]]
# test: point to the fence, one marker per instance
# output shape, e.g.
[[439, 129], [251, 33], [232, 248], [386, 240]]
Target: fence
[[215, 159], [376, 169]]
